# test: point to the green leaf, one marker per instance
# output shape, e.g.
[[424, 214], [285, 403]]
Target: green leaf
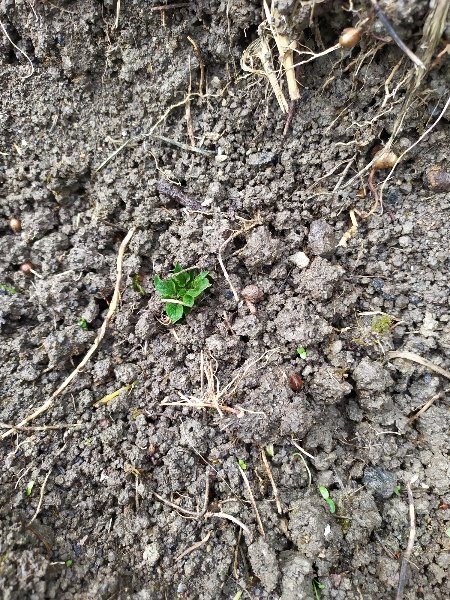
[[269, 450], [324, 492], [29, 488], [200, 283], [166, 288], [174, 311], [83, 324], [69, 562], [8, 289], [188, 300], [242, 464], [332, 505], [397, 489], [238, 595], [137, 286], [302, 352], [317, 586]]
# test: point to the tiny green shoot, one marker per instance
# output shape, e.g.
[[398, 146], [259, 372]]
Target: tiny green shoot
[[137, 285], [83, 324], [29, 488], [381, 324], [326, 496], [181, 291], [302, 352], [238, 595], [8, 289], [269, 450], [242, 464], [69, 562], [397, 489], [317, 588]]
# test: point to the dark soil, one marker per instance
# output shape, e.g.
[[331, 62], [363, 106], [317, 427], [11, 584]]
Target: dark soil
[[100, 532]]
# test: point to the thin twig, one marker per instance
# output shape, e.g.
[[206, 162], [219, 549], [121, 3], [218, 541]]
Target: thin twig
[[432, 126], [111, 310], [182, 146], [169, 6], [193, 547], [247, 227], [252, 501], [394, 35], [412, 356], [20, 50], [222, 515], [41, 497], [409, 547], [190, 513], [42, 427], [272, 481], [427, 405], [201, 64]]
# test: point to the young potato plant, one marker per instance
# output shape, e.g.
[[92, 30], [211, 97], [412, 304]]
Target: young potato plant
[[184, 288]]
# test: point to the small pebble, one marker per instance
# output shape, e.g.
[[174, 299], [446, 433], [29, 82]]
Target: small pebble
[[26, 268], [437, 179], [300, 260], [321, 238], [380, 482], [15, 225]]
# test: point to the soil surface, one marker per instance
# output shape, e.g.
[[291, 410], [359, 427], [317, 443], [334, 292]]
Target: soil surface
[[147, 496]]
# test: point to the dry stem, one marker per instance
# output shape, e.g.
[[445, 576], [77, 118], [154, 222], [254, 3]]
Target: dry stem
[[112, 308], [252, 501], [409, 547], [272, 481], [412, 356], [427, 405], [248, 225]]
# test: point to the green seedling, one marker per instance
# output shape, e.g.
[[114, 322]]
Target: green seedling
[[69, 562], [242, 464], [238, 595], [302, 352], [326, 496], [181, 291], [29, 488], [8, 289], [83, 324], [269, 450], [317, 588], [397, 489], [381, 324], [137, 285]]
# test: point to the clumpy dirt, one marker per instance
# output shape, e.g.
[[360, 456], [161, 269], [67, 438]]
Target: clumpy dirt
[[144, 498]]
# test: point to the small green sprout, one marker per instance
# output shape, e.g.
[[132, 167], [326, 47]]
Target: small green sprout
[[83, 324], [181, 291], [137, 285], [302, 352], [381, 324], [317, 588], [397, 489], [326, 496], [269, 450], [238, 595], [8, 289], [29, 488], [242, 464], [69, 562]]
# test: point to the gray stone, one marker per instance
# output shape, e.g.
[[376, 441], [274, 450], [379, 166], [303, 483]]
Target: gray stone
[[382, 483], [300, 260], [261, 159], [321, 238]]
